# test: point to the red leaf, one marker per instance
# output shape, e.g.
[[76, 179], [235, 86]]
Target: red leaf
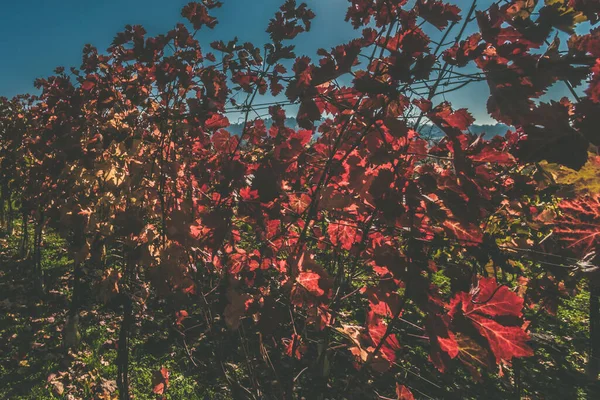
[[310, 281], [197, 14], [276, 87], [471, 235], [549, 136], [437, 13], [449, 345], [593, 91], [245, 80], [403, 392], [302, 135], [286, 23], [506, 342], [579, 224], [223, 141], [377, 329], [467, 50], [295, 347], [411, 41], [418, 148], [473, 355], [160, 381], [443, 114], [299, 203], [88, 85], [494, 300], [308, 112], [342, 234], [247, 194], [181, 315], [489, 155], [423, 104], [382, 302], [488, 301], [216, 121]]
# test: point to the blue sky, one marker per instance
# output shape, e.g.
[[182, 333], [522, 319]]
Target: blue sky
[[38, 35]]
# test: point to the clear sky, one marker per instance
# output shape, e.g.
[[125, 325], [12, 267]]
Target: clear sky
[[38, 35]]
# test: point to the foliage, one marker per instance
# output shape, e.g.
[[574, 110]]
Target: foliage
[[292, 256]]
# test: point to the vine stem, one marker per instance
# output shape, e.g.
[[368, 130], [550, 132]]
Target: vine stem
[[390, 328], [432, 91]]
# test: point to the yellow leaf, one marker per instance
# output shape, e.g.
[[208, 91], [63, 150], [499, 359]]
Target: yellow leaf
[[584, 181]]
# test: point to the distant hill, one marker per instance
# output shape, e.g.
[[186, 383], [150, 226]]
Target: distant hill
[[489, 131], [427, 131]]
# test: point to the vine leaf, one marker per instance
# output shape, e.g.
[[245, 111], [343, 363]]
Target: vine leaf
[[494, 311], [198, 15], [438, 13], [160, 381], [506, 342], [310, 281], [579, 224], [403, 392], [342, 234], [471, 235], [549, 136]]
